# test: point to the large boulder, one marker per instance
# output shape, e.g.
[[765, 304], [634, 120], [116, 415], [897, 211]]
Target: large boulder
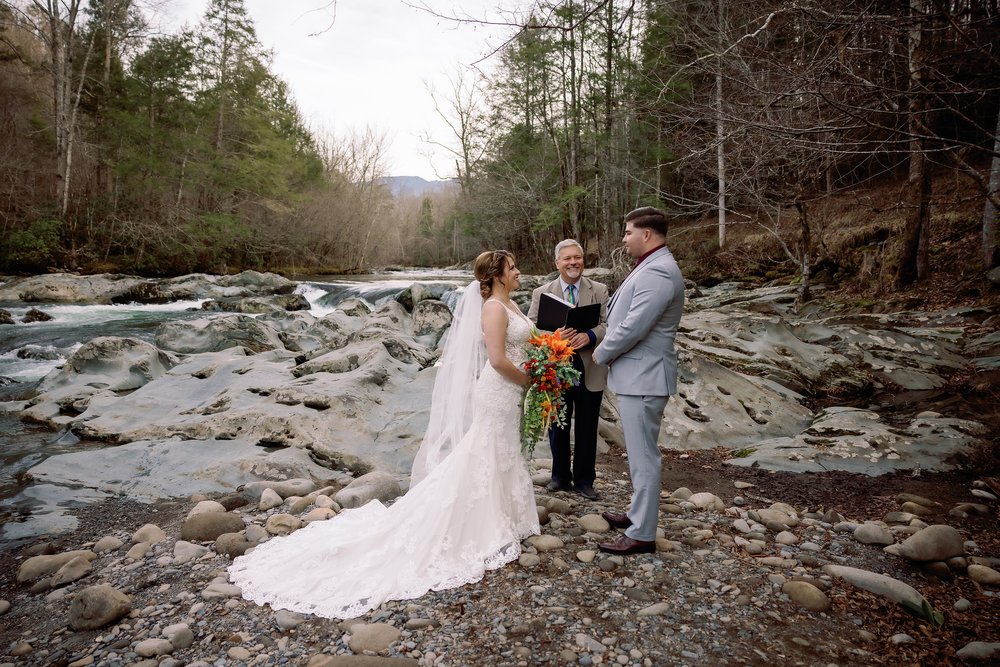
[[417, 293], [97, 606], [105, 364], [150, 470], [44, 565], [75, 569], [431, 319], [933, 543], [247, 283], [209, 526], [68, 288], [892, 589], [257, 305], [220, 333], [374, 637]]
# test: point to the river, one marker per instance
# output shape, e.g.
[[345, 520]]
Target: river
[[28, 352]]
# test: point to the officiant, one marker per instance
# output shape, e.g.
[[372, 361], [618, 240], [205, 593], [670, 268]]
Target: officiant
[[583, 402]]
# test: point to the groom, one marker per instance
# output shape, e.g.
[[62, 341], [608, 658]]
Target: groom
[[643, 316]]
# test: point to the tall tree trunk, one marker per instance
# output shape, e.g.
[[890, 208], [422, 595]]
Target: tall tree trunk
[[71, 128], [573, 172], [60, 39], [720, 152], [913, 260], [990, 251], [805, 263], [608, 185]]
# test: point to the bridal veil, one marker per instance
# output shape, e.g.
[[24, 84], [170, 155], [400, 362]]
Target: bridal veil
[[451, 400]]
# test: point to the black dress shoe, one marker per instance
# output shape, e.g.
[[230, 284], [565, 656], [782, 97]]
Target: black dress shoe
[[556, 485], [617, 519], [587, 491], [625, 546]]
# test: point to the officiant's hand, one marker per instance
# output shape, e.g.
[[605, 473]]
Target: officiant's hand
[[577, 339], [566, 333]]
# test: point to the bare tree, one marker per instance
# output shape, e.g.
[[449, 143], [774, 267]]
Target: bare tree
[[463, 111], [55, 22], [990, 248]]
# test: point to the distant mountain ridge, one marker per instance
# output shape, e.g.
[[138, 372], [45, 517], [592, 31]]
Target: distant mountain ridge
[[415, 186]]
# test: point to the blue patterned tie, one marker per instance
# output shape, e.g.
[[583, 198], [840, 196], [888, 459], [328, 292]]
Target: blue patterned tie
[[571, 291]]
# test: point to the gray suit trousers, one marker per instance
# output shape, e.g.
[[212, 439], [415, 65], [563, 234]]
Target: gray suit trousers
[[641, 417]]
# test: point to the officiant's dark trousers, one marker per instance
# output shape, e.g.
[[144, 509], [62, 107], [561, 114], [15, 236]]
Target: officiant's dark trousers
[[585, 406]]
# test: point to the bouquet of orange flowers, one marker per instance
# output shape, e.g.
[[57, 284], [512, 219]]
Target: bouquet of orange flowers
[[551, 371]]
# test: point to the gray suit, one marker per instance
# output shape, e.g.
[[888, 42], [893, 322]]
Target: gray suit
[[643, 316]]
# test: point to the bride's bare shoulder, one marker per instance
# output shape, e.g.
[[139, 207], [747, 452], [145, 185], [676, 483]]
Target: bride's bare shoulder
[[494, 301]]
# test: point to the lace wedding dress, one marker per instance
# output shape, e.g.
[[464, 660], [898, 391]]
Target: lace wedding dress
[[468, 515]]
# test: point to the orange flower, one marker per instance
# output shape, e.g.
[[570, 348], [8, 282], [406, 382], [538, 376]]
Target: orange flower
[[551, 375]]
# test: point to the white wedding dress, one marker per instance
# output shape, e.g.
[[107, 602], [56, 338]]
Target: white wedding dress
[[468, 515]]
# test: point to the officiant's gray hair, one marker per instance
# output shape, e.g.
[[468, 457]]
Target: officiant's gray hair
[[567, 243]]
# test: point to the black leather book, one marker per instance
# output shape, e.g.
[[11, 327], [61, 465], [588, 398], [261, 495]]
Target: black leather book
[[554, 313]]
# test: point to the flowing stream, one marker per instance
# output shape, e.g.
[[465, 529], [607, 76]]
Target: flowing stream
[[28, 352]]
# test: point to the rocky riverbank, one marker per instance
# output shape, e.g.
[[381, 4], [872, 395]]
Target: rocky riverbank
[[287, 393], [739, 578], [798, 403]]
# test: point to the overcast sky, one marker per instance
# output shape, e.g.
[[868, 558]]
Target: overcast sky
[[369, 65]]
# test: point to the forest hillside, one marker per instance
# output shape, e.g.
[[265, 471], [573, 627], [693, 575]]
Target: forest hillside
[[838, 141]]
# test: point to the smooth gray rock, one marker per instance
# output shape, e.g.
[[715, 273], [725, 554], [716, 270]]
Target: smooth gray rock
[[179, 635], [232, 544], [257, 305], [980, 651], [209, 526], [282, 524], [325, 660], [869, 533], [218, 333], [373, 637], [114, 288], [44, 565], [107, 543], [157, 469], [186, 551], [97, 606], [150, 648], [75, 569], [149, 533], [806, 595], [106, 366], [889, 588], [937, 542], [981, 574], [283, 488], [286, 620], [373, 486]]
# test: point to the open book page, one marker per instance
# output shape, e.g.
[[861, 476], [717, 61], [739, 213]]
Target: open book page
[[555, 313]]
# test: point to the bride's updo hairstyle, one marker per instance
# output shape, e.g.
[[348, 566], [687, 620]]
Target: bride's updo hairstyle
[[489, 265]]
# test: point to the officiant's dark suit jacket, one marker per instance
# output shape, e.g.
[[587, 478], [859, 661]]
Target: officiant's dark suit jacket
[[595, 376]]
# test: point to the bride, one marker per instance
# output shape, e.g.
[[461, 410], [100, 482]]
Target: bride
[[470, 501]]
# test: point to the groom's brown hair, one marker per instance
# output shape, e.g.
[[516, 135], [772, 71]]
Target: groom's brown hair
[[648, 217]]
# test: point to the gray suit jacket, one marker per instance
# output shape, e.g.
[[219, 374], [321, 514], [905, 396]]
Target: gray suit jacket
[[642, 324], [595, 376]]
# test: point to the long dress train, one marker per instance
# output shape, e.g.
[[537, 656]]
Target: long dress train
[[467, 516]]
